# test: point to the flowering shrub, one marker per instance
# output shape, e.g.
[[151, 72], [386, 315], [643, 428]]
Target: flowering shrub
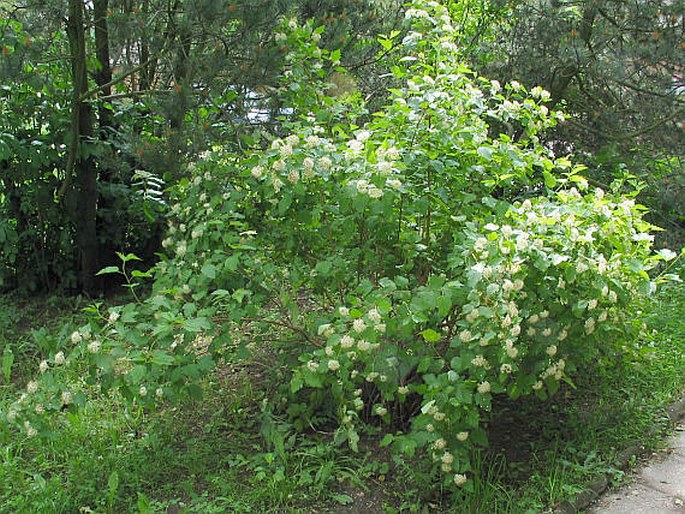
[[423, 261]]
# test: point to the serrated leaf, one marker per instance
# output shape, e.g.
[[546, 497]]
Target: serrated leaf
[[162, 358]]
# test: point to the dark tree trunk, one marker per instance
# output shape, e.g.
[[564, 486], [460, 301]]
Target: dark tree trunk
[[103, 76], [83, 165]]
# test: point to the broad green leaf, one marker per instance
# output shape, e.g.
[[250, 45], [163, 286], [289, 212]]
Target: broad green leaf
[[430, 335]]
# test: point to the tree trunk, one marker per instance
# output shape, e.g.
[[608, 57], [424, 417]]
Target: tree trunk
[[84, 166]]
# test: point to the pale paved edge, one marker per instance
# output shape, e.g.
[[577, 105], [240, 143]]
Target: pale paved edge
[[658, 488]]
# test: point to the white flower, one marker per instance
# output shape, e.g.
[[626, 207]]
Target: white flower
[[329, 351], [43, 366], [551, 350], [547, 332], [480, 244], [362, 186], [347, 341], [344, 311], [325, 163], [308, 165], [59, 358], [506, 368], [537, 385], [544, 314], [403, 390], [479, 361], [355, 145], [515, 330], [76, 337], [32, 387], [363, 345], [333, 365], [562, 335], [40, 410], [602, 316], [394, 183], [440, 444], [384, 167], [142, 391], [512, 352], [363, 135], [293, 176], [590, 326], [379, 327], [257, 171], [430, 427], [358, 325], [374, 316], [465, 336], [380, 411], [292, 139], [94, 347], [278, 165], [66, 397], [460, 479], [462, 436], [159, 392], [31, 432], [484, 387], [447, 458], [277, 184], [372, 376], [613, 297], [312, 366], [375, 192], [592, 305]]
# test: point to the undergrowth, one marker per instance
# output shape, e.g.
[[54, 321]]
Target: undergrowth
[[230, 453]]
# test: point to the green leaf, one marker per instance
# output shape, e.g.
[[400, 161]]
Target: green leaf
[[108, 269], [430, 335], [162, 358], [137, 374], [144, 504], [128, 257], [209, 271], [387, 439], [113, 484], [197, 324], [550, 180]]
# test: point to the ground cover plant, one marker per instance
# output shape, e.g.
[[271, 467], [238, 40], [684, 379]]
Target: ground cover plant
[[397, 272]]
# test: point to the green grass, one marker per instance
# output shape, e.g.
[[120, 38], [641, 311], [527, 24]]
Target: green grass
[[211, 456]]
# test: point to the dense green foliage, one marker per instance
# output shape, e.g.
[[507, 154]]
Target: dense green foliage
[[406, 249], [418, 265]]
